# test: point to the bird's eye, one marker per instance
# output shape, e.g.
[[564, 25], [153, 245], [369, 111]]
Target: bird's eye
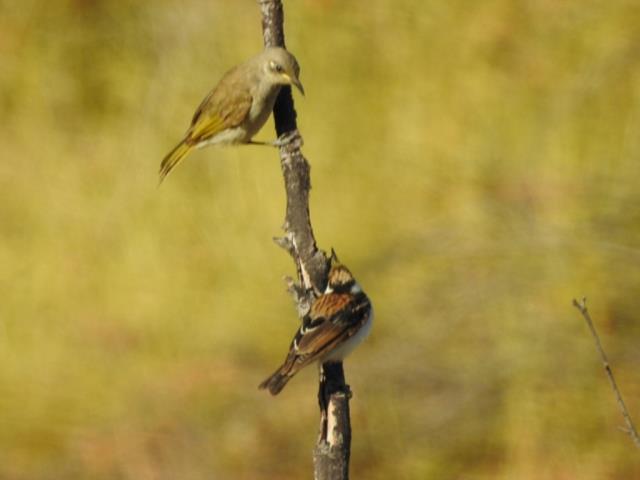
[[277, 67]]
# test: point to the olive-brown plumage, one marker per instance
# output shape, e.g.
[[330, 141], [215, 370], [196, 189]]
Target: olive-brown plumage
[[237, 108]]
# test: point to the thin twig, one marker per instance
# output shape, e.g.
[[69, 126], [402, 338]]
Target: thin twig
[[631, 429]]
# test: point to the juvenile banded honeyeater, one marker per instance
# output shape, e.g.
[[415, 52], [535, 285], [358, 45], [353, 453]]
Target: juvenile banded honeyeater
[[337, 322]]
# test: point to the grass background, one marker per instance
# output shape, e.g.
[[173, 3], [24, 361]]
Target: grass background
[[476, 164]]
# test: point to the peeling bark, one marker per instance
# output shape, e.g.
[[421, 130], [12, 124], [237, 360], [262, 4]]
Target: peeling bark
[[333, 448]]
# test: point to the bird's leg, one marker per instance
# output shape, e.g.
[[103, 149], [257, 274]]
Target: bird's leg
[[292, 137], [264, 144]]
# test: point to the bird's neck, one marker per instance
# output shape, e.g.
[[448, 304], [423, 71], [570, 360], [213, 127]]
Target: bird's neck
[[267, 89]]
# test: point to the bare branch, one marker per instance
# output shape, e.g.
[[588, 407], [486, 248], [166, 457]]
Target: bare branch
[[333, 448], [312, 263], [331, 455], [631, 429]]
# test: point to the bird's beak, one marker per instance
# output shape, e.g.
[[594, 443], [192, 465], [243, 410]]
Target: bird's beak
[[299, 86], [296, 83]]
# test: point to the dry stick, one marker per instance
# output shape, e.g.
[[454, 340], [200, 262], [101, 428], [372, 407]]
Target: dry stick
[[299, 239], [631, 429], [332, 451]]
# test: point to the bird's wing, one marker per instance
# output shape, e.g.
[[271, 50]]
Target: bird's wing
[[333, 318], [225, 107], [330, 304]]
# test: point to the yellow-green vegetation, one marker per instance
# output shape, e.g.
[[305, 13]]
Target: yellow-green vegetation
[[476, 164]]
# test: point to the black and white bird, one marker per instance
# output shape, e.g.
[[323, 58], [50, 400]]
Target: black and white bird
[[337, 322]]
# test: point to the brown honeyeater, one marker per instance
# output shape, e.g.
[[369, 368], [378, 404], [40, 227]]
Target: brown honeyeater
[[237, 108]]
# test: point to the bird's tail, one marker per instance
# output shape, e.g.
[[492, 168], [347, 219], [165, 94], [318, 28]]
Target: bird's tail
[[174, 157], [276, 382]]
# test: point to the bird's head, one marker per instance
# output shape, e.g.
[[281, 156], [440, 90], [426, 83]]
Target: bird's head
[[282, 68], [340, 278]]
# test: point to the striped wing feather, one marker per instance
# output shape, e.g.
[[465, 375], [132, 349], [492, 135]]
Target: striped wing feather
[[332, 320], [320, 334]]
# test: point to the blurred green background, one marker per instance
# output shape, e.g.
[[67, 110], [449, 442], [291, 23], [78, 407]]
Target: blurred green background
[[476, 164]]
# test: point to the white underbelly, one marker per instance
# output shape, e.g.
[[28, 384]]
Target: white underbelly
[[347, 347]]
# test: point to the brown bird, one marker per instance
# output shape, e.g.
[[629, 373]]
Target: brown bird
[[237, 108], [337, 322]]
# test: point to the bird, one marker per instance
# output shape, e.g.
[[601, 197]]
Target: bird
[[337, 322], [239, 105]]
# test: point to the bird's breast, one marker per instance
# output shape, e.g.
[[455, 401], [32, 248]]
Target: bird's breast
[[261, 108]]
